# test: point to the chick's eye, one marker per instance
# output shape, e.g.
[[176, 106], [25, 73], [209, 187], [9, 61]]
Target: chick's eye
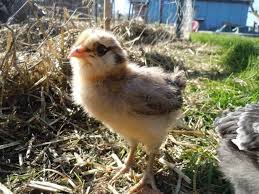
[[101, 50]]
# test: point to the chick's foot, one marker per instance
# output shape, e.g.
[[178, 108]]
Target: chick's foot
[[147, 179]]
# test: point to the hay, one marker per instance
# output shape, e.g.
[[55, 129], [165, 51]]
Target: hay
[[35, 103], [139, 33]]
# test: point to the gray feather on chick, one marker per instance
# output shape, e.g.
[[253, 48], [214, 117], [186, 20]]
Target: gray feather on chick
[[152, 96]]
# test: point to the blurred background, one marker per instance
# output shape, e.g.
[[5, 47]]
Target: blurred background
[[239, 16]]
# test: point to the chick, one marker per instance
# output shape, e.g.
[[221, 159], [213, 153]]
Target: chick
[[238, 148], [139, 103]]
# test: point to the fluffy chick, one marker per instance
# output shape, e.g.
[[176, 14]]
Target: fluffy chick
[[139, 103], [238, 148]]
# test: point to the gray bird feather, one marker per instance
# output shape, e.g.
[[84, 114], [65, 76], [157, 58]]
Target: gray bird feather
[[241, 127], [238, 150]]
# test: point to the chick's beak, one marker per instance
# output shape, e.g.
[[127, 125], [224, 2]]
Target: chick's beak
[[78, 52]]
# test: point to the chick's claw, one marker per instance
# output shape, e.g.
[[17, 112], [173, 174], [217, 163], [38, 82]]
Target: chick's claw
[[121, 170], [147, 179], [128, 163]]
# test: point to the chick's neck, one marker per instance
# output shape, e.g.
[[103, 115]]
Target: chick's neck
[[116, 73]]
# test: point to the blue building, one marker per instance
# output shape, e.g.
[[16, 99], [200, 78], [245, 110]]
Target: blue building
[[211, 14]]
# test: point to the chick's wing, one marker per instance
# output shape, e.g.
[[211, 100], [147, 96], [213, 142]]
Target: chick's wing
[[151, 97]]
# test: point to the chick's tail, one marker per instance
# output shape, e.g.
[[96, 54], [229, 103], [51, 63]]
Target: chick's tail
[[179, 78]]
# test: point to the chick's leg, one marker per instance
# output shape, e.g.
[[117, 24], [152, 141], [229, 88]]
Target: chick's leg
[[148, 176], [130, 158], [128, 163]]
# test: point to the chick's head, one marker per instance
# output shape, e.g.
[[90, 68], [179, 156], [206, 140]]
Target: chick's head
[[98, 50]]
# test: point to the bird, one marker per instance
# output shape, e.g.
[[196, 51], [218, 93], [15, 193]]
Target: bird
[[139, 103], [239, 148]]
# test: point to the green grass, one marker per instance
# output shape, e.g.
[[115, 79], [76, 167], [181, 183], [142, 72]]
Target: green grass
[[222, 40], [240, 58], [237, 53], [236, 85], [236, 90]]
